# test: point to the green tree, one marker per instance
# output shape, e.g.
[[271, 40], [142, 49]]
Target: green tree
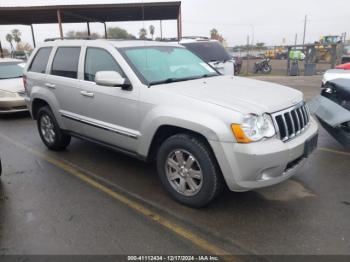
[[16, 34], [81, 34], [260, 45], [151, 30], [9, 38], [119, 33], [143, 33], [214, 34]]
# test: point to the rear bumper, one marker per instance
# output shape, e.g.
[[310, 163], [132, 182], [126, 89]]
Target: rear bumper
[[10, 105], [250, 166]]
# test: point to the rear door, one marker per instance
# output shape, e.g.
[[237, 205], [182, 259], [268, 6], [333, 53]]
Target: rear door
[[63, 81]]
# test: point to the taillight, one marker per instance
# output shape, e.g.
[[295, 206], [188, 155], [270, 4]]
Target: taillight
[[25, 82]]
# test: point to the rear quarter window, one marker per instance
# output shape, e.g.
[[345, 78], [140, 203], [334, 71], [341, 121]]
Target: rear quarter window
[[40, 60], [66, 62]]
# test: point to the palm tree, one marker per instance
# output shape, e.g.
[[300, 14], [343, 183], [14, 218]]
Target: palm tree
[[16, 35], [143, 33], [151, 30], [9, 38]]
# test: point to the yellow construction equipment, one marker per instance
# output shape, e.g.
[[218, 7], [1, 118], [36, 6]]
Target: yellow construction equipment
[[324, 47], [278, 52]]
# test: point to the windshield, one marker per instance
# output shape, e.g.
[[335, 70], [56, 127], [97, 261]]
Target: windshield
[[208, 51], [166, 64], [11, 70]]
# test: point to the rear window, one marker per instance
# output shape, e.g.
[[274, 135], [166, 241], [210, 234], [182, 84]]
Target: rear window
[[66, 62], [40, 60], [11, 70], [208, 51]]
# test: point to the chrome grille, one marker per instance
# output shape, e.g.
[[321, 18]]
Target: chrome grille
[[292, 121]]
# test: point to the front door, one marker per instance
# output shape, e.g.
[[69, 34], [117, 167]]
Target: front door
[[110, 114]]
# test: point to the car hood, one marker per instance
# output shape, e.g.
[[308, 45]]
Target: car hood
[[13, 85], [332, 74], [237, 93]]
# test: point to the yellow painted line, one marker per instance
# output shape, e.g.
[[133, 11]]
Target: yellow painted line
[[334, 151], [180, 231]]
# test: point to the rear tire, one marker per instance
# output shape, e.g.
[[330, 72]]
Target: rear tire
[[50, 133], [188, 170]]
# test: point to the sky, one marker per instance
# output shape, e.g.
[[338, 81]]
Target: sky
[[273, 22]]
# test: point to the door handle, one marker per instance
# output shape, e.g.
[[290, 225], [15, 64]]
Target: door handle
[[86, 93], [52, 86]]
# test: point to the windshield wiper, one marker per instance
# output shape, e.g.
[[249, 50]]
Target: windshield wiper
[[207, 75], [173, 80], [166, 81]]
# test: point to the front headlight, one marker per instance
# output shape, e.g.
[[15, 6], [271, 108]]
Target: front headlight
[[254, 128]]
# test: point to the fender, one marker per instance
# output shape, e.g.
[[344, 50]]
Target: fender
[[212, 128], [46, 95]]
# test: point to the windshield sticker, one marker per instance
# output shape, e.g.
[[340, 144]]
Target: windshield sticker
[[207, 67]]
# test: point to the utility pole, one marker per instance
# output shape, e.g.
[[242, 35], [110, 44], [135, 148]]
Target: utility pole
[[161, 29], [1, 51], [247, 54], [305, 22], [296, 41], [253, 33]]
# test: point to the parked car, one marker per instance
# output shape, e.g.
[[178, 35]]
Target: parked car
[[21, 55], [11, 86], [212, 52], [345, 66], [333, 74], [159, 101], [332, 108]]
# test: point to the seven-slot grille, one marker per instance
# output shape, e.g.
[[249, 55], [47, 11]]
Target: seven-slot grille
[[292, 121]]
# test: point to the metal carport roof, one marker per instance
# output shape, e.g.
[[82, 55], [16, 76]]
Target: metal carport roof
[[29, 15]]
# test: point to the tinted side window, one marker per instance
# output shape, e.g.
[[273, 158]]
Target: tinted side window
[[40, 60], [97, 59], [208, 51], [66, 62]]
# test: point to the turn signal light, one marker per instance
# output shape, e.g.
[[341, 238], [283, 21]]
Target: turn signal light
[[239, 134]]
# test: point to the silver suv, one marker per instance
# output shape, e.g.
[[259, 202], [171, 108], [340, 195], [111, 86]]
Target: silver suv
[[158, 101]]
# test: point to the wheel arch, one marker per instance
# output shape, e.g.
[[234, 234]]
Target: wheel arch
[[36, 105], [165, 131]]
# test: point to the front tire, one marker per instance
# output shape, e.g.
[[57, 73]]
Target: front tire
[[50, 133], [188, 170]]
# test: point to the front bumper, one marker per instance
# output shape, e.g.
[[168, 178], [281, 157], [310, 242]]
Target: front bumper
[[250, 166], [9, 105]]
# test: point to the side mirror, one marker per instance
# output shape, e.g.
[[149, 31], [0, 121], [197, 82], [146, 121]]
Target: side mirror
[[112, 78]]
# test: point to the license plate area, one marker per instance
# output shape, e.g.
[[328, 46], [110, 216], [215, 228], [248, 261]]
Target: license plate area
[[310, 145]]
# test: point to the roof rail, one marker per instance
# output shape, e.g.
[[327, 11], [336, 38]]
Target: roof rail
[[124, 39], [70, 38], [195, 37], [94, 38]]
